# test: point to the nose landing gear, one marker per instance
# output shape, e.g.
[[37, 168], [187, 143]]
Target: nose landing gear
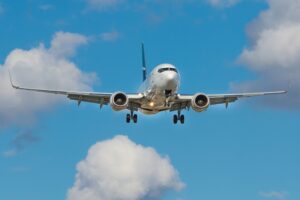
[[168, 93], [178, 117], [132, 117]]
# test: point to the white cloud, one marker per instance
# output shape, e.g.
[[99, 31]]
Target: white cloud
[[119, 169], [274, 52], [222, 3], [275, 48], [43, 68], [273, 195], [65, 44], [275, 36], [104, 4], [110, 36]]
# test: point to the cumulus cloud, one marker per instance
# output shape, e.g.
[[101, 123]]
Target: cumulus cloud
[[222, 3], [65, 44], [273, 195], [119, 169], [274, 52], [104, 4], [43, 68]]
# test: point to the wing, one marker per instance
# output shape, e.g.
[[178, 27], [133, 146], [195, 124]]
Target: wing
[[228, 98], [184, 101], [91, 97]]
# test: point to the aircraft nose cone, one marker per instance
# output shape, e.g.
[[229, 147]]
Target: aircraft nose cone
[[171, 80], [170, 76]]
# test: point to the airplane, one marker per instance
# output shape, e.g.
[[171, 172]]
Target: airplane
[[159, 92]]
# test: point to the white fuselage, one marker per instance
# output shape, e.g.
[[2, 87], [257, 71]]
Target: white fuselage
[[162, 83]]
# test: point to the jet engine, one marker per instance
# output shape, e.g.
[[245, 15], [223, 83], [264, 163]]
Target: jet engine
[[200, 102], [119, 101]]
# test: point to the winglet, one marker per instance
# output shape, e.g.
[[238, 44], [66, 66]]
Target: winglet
[[11, 81]]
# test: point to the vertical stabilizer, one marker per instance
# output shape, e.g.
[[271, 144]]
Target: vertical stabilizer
[[144, 63]]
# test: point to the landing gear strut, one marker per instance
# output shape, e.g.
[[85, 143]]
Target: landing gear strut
[[132, 117], [178, 117]]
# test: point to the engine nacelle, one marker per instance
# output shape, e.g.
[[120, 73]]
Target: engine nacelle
[[200, 102], [119, 101]]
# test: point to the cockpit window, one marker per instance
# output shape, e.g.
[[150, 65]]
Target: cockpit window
[[166, 69], [163, 70]]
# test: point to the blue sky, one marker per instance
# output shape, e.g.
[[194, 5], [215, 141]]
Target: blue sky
[[249, 151]]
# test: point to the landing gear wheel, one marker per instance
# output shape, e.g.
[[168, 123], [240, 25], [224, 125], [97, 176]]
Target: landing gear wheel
[[135, 118], [175, 119], [182, 119], [128, 118]]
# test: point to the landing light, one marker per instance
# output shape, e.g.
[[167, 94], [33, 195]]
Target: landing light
[[151, 104]]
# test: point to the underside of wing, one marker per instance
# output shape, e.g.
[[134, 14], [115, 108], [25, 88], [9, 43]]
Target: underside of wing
[[91, 97], [128, 101], [98, 98], [200, 102], [228, 98], [134, 100]]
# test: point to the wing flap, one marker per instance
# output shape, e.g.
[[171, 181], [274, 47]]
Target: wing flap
[[180, 105], [221, 100], [102, 99]]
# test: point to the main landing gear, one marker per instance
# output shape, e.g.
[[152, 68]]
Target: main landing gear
[[132, 117], [178, 117]]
